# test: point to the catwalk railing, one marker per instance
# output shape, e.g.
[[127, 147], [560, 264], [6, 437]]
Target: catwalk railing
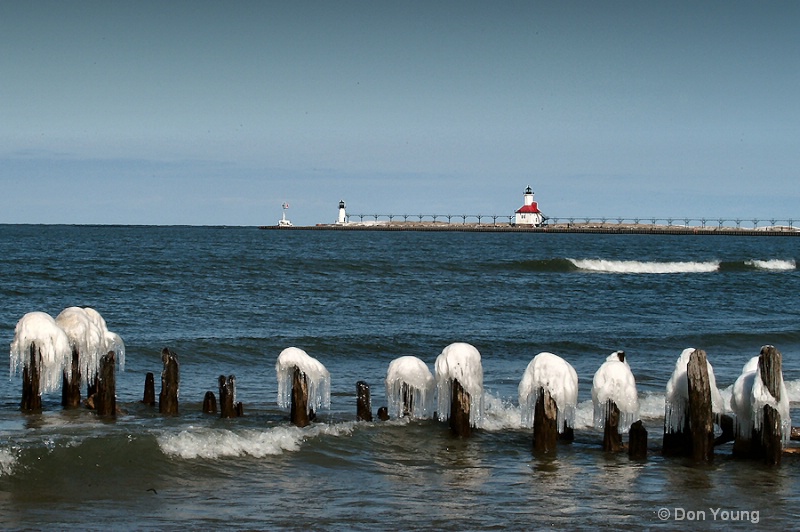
[[495, 219]]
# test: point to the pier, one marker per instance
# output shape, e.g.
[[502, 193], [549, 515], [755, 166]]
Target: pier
[[498, 224]]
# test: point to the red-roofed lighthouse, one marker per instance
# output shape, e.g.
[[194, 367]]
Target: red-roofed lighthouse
[[529, 213]]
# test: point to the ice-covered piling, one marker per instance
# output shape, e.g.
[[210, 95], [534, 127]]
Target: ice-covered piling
[[679, 433], [303, 384], [459, 385], [90, 340], [40, 351], [615, 399], [170, 383], [409, 388], [761, 405], [548, 395]]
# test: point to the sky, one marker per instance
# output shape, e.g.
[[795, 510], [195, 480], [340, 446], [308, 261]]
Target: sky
[[216, 113]]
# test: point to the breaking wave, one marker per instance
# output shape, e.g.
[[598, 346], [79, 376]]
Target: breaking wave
[[219, 443], [633, 266], [774, 264]]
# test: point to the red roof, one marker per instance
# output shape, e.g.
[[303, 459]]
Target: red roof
[[532, 208]]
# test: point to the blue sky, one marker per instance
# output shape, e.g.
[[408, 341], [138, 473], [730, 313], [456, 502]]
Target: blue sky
[[218, 112]]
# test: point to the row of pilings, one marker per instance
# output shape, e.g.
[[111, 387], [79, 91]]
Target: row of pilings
[[695, 439]]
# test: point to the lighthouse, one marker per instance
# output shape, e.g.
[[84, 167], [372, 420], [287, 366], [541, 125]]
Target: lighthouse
[[529, 213], [342, 219]]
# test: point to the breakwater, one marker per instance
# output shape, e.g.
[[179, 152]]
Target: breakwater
[[561, 228]]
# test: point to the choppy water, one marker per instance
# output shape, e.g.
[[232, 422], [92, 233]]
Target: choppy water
[[228, 300]]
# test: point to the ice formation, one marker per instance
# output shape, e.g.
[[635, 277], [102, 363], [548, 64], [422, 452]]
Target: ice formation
[[414, 373], [317, 377], [749, 398], [677, 397], [113, 342], [88, 334], [555, 375], [40, 328], [462, 362], [614, 381]]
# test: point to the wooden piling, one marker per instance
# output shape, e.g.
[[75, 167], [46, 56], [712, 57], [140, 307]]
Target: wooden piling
[[170, 380], [106, 396], [769, 364], [701, 421], [407, 395], [612, 439], [299, 412], [545, 423], [363, 402], [637, 441], [71, 383], [383, 413], [678, 443], [149, 397], [31, 398], [210, 403], [459, 411], [227, 392]]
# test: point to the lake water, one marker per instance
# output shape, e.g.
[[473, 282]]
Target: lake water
[[228, 300]]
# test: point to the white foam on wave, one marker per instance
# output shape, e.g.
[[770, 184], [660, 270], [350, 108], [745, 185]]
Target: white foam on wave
[[635, 266], [7, 462], [504, 415], [773, 264], [210, 443]]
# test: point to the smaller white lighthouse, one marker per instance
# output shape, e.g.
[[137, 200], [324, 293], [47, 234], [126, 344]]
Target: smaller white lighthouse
[[342, 214]]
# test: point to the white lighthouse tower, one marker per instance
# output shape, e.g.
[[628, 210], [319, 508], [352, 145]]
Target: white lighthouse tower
[[529, 213], [342, 219]]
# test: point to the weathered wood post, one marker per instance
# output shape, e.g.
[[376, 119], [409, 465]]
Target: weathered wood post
[[363, 402], [459, 411], [637, 441], [149, 396], [227, 394], [545, 423], [299, 411], [210, 403], [769, 364], [612, 439], [31, 398], [383, 413], [170, 380], [701, 421], [106, 397], [408, 400], [71, 383]]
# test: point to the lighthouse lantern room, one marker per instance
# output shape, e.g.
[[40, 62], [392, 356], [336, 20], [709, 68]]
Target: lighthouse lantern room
[[529, 213]]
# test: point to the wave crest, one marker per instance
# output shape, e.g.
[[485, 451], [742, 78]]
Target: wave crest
[[219, 443], [634, 266]]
